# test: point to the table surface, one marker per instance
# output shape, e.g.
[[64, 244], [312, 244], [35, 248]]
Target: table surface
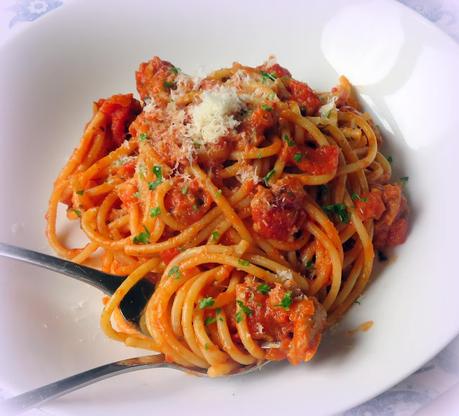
[[418, 391]]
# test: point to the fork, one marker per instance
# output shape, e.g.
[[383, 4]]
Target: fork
[[35, 398]]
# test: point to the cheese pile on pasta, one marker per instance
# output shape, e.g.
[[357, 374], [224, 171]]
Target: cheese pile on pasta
[[254, 203]]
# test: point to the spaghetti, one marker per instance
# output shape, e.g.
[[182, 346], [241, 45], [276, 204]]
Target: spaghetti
[[254, 203]]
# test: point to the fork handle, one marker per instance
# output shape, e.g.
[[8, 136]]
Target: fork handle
[[36, 397], [108, 283]]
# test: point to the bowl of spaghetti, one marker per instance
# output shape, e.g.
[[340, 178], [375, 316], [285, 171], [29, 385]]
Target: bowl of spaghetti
[[285, 207]]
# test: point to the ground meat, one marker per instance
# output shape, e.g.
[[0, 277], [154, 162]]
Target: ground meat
[[120, 110], [304, 96], [187, 202], [282, 316], [278, 212], [154, 80], [320, 161], [388, 207]]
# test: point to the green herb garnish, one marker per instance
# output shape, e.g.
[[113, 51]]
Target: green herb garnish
[[404, 180], [210, 320], [175, 272], [154, 212], [390, 159], [77, 212], [143, 237], [264, 288], [206, 302], [357, 197], [268, 176], [297, 157], [310, 264], [143, 137], [169, 85], [244, 262], [266, 107], [290, 142], [175, 70], [338, 209], [268, 75], [80, 192], [243, 310], [215, 235], [184, 190], [159, 178], [286, 301]]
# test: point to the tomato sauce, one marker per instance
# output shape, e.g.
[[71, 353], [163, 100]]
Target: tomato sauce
[[120, 110], [187, 202], [278, 212]]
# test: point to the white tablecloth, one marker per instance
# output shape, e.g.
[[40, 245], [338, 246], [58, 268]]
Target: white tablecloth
[[439, 375]]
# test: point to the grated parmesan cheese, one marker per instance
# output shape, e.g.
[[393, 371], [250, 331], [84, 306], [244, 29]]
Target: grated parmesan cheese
[[123, 160], [213, 117], [248, 173], [271, 61], [149, 105], [285, 275], [326, 109]]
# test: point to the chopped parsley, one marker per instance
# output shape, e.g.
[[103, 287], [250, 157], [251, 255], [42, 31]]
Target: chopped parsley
[[210, 320], [243, 262], [357, 197], [206, 302], [80, 192], [243, 310], [286, 301], [206, 346], [404, 180], [218, 194], [290, 142], [357, 301], [215, 235], [268, 176], [154, 212], [297, 157], [169, 85], [390, 159], [136, 194], [259, 155], [268, 75], [264, 288], [77, 212], [175, 70], [184, 190], [159, 178], [266, 107], [143, 137], [143, 237], [175, 272], [310, 263], [339, 210]]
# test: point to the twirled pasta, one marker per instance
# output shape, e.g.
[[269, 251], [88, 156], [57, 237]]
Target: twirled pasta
[[253, 203]]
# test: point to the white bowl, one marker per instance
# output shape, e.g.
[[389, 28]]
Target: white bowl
[[406, 73]]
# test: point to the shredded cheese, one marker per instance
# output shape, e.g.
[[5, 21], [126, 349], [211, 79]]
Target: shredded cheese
[[285, 275], [214, 116]]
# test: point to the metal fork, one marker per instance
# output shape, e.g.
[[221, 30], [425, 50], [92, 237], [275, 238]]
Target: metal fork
[[41, 395]]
